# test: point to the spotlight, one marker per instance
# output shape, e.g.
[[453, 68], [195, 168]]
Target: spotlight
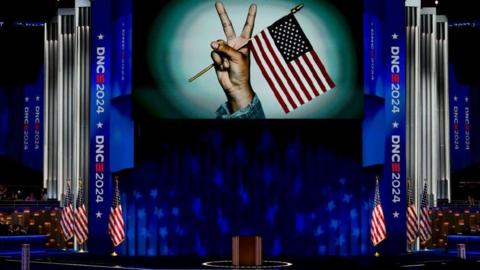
[[436, 2]]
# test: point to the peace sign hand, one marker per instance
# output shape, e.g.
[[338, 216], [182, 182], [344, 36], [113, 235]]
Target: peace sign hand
[[231, 59]]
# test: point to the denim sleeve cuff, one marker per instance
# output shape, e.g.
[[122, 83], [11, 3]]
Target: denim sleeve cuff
[[253, 110]]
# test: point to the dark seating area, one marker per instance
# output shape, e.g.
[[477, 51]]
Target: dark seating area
[[453, 221], [27, 219], [22, 193]]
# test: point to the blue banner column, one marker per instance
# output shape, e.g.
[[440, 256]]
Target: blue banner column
[[32, 120], [100, 184], [393, 185], [384, 75], [460, 127]]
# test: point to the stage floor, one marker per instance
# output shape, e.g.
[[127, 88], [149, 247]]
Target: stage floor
[[75, 261]]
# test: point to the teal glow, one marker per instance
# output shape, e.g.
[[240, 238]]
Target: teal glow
[[179, 47]]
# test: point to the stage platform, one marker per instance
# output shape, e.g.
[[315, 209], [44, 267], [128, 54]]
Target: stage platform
[[74, 261]]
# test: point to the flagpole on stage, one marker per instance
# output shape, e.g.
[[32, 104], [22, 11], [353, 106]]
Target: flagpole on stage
[[294, 10], [81, 248]]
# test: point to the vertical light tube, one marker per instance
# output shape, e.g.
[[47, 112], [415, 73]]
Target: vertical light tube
[[430, 119], [414, 104], [61, 87], [442, 81], [46, 144]]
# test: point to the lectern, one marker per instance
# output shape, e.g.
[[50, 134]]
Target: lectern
[[246, 250]]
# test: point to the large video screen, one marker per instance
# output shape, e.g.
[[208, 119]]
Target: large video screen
[[265, 60]]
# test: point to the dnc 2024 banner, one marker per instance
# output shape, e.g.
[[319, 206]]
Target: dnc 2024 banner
[[384, 79]]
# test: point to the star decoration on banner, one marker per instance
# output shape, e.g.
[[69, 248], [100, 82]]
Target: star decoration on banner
[[396, 214], [455, 98], [99, 125], [394, 36], [37, 98], [466, 99], [395, 124], [100, 37], [99, 214], [26, 99]]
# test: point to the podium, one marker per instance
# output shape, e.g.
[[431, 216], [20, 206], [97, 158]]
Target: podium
[[246, 250]]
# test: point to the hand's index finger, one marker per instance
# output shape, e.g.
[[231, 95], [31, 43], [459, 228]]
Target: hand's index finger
[[226, 23], [250, 22]]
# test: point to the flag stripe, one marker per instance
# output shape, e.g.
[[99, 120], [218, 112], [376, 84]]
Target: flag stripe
[[283, 72], [412, 226], [377, 229], [425, 224], [316, 72], [322, 68], [116, 228], [292, 74], [306, 76], [280, 97], [81, 220], [67, 216], [309, 68], [275, 75], [302, 86], [294, 66]]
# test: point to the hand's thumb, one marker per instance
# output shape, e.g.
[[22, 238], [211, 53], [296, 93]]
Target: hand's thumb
[[222, 47]]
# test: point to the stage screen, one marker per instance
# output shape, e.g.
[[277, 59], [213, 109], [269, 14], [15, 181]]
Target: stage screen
[[311, 70]]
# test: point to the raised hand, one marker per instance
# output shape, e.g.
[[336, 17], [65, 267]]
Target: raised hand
[[232, 61]]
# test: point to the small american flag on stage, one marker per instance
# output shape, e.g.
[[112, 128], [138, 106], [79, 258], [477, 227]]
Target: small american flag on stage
[[377, 230], [425, 227], [81, 221], [289, 63], [412, 226], [116, 228], [66, 220]]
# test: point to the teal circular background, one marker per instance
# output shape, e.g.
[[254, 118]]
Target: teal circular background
[[179, 46]]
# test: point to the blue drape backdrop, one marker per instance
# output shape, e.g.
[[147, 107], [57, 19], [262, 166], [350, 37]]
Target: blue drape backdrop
[[298, 184]]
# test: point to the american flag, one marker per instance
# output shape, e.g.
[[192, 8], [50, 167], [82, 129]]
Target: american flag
[[289, 63], [412, 226], [377, 230], [66, 220], [81, 221], [425, 227], [116, 228]]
